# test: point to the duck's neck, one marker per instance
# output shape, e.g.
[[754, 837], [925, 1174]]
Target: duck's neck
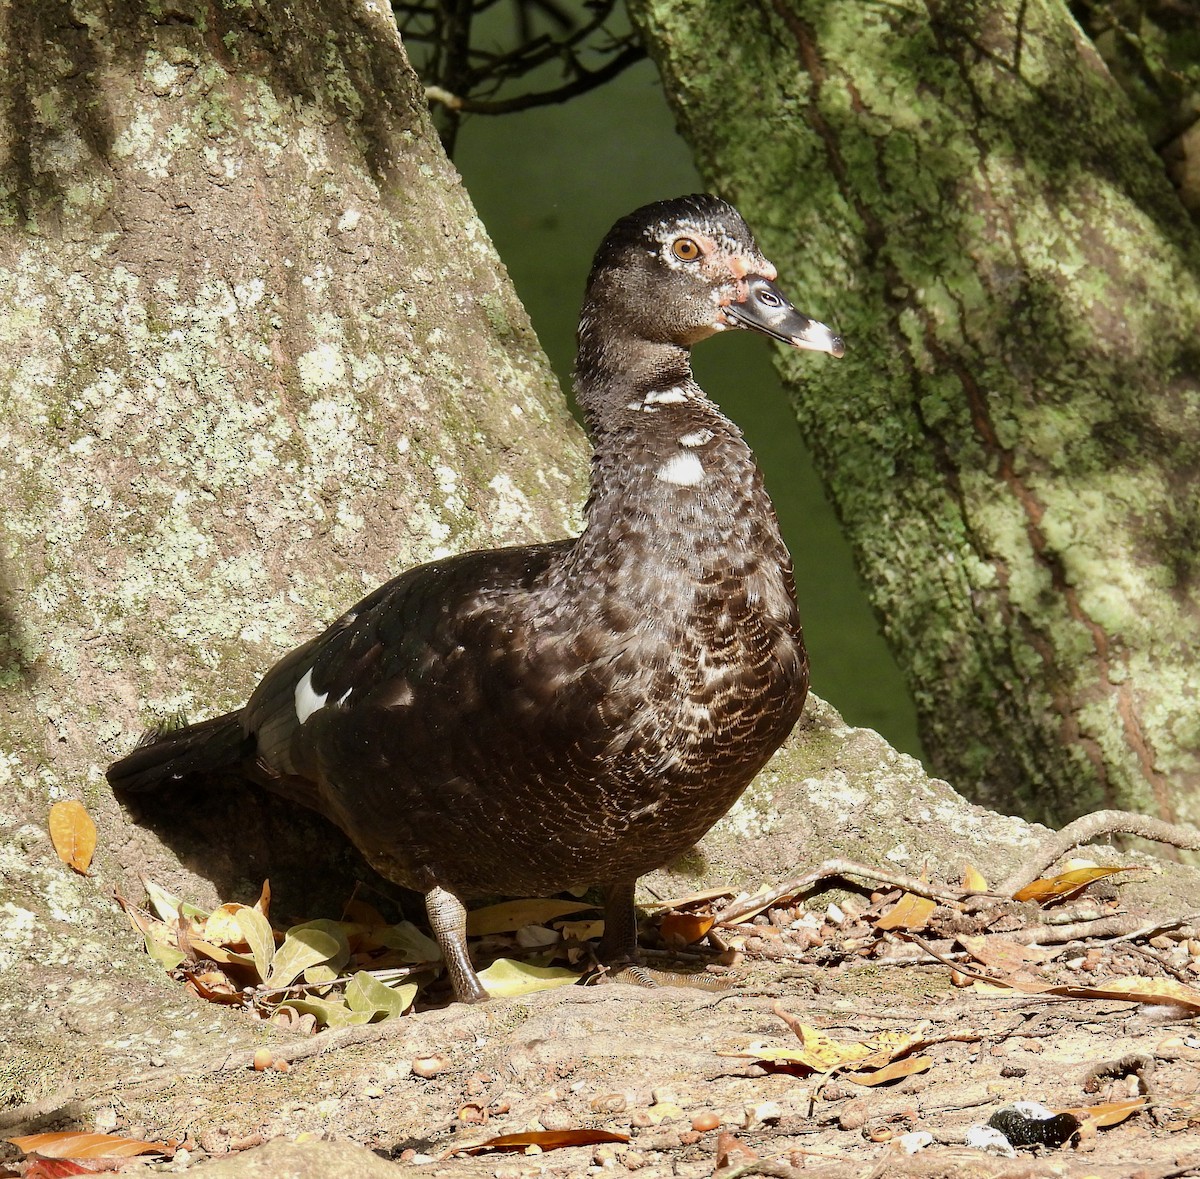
[[612, 367]]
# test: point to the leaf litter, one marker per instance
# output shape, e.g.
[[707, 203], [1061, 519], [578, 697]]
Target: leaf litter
[[1010, 965]]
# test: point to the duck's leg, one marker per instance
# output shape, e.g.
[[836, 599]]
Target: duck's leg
[[618, 946], [448, 920]]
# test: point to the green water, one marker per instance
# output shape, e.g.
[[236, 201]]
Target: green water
[[548, 183]]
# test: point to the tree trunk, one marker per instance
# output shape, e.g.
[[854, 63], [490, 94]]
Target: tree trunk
[[1013, 438], [258, 355]]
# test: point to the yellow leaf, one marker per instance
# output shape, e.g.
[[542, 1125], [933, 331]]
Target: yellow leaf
[[221, 927], [256, 932], [219, 954], [1108, 1113], [818, 1051], [910, 912], [364, 992], [169, 907], [972, 880], [823, 1054], [510, 916], [1057, 888], [305, 946], [506, 978], [891, 1072], [1138, 990], [73, 834]]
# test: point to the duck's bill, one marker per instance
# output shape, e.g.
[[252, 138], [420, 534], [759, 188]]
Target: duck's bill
[[766, 310]]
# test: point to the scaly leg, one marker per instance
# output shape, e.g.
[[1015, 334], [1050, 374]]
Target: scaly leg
[[448, 919]]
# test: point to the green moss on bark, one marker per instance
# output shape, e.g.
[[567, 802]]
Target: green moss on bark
[[962, 190]]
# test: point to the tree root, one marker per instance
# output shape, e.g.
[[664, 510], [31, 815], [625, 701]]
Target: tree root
[[1087, 828]]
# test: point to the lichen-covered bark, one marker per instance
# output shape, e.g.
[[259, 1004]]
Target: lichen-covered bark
[[1013, 437], [257, 355]]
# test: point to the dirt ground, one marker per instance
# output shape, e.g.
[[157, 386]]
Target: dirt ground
[[100, 1038], [676, 1072]]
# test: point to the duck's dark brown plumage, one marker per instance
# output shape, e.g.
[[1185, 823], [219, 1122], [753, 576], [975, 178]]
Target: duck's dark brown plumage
[[527, 719]]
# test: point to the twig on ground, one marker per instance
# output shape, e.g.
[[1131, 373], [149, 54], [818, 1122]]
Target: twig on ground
[[851, 869]]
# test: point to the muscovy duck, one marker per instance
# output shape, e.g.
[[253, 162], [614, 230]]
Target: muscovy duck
[[523, 720]]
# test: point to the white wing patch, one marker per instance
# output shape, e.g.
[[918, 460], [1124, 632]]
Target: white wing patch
[[308, 701], [684, 469]]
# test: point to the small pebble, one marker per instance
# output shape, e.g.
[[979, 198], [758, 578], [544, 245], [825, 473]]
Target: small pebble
[[609, 1103], [263, 1059], [690, 1137], [429, 1066], [763, 1112], [556, 1119], [633, 1160], [854, 1115], [705, 1120]]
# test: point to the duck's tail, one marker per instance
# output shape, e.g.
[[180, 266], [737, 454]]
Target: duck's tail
[[165, 756]]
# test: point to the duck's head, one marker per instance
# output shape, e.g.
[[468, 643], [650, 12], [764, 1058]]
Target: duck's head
[[677, 271]]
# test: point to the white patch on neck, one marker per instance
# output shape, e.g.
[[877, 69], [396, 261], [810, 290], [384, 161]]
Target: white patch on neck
[[656, 397], [672, 396], [684, 469], [696, 437], [308, 701]]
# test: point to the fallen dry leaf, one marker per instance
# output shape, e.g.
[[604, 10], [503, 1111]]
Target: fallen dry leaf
[[73, 834], [543, 1140], [686, 902], [973, 880], [910, 913], [1108, 1113], [67, 1144], [1004, 954], [1165, 991], [263, 904], [890, 1072], [510, 916], [822, 1054], [214, 986], [1067, 884], [685, 929]]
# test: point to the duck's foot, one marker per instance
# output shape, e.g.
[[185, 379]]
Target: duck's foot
[[619, 952]]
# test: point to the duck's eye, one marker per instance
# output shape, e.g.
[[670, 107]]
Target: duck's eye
[[685, 249]]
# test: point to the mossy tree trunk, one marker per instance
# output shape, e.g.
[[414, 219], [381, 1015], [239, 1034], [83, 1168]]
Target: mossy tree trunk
[[256, 355], [1013, 438]]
